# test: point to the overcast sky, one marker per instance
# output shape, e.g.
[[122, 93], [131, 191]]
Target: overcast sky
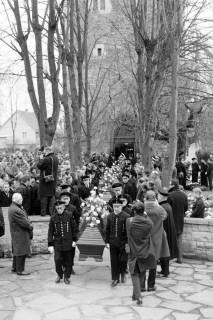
[[10, 63]]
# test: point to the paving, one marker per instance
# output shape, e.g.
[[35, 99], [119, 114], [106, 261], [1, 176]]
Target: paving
[[187, 294]]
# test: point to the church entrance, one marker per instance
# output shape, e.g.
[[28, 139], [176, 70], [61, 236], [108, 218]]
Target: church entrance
[[124, 141]]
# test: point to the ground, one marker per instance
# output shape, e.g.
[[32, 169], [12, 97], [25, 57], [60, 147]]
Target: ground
[[186, 295]]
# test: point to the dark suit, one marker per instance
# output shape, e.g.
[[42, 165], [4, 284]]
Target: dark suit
[[47, 166], [179, 203]]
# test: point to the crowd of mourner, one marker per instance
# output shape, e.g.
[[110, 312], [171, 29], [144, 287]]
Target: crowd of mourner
[[140, 221]]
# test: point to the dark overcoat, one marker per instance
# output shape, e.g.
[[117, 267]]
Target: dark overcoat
[[158, 235], [195, 171], [179, 203], [47, 166], [145, 248], [2, 225], [20, 229], [169, 227]]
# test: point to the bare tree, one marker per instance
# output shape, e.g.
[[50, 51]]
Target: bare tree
[[43, 24]]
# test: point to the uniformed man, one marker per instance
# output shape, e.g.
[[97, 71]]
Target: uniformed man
[[62, 237], [66, 197], [116, 238]]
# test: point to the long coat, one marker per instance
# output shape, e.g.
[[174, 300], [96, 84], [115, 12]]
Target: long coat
[[195, 171], [144, 224], [203, 174], [2, 225], [47, 166], [158, 235], [179, 203], [20, 229], [169, 227]]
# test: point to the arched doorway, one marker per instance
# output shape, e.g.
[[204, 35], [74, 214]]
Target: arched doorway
[[124, 141]]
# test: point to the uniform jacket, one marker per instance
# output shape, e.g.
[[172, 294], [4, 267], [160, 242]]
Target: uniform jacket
[[116, 229], [155, 213], [47, 189], [179, 203], [62, 231], [169, 227], [146, 247], [198, 209], [20, 229], [74, 213]]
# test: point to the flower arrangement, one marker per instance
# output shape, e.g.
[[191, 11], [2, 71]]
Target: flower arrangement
[[110, 176], [94, 210]]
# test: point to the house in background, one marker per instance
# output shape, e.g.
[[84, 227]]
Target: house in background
[[20, 131]]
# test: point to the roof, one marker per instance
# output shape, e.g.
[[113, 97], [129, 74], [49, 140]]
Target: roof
[[27, 116], [30, 118]]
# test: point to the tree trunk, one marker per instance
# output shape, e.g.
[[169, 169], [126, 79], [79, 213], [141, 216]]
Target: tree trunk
[[175, 56]]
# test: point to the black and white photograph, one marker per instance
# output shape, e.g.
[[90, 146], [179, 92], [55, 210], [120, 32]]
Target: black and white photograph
[[106, 160]]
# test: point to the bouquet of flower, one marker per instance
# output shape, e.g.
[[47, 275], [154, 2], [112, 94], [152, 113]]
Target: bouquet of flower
[[109, 177], [94, 210]]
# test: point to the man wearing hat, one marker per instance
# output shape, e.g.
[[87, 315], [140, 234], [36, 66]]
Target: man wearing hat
[[74, 197], [179, 203], [62, 236], [48, 166], [117, 191], [116, 238], [66, 198], [85, 187], [169, 227]]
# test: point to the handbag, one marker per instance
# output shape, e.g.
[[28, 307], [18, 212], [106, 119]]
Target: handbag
[[49, 177]]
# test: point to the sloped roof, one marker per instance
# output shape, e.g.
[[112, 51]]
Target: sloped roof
[[27, 116]]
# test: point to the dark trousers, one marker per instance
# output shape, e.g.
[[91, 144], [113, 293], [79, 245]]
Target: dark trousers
[[151, 279], [73, 255], [47, 205], [137, 282], [117, 266], [63, 263], [164, 262], [180, 247], [210, 182], [18, 263]]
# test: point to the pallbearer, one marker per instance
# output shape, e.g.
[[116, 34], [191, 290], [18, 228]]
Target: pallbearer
[[62, 237], [116, 239]]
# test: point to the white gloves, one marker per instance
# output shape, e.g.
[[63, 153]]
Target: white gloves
[[51, 249], [74, 244], [107, 245]]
